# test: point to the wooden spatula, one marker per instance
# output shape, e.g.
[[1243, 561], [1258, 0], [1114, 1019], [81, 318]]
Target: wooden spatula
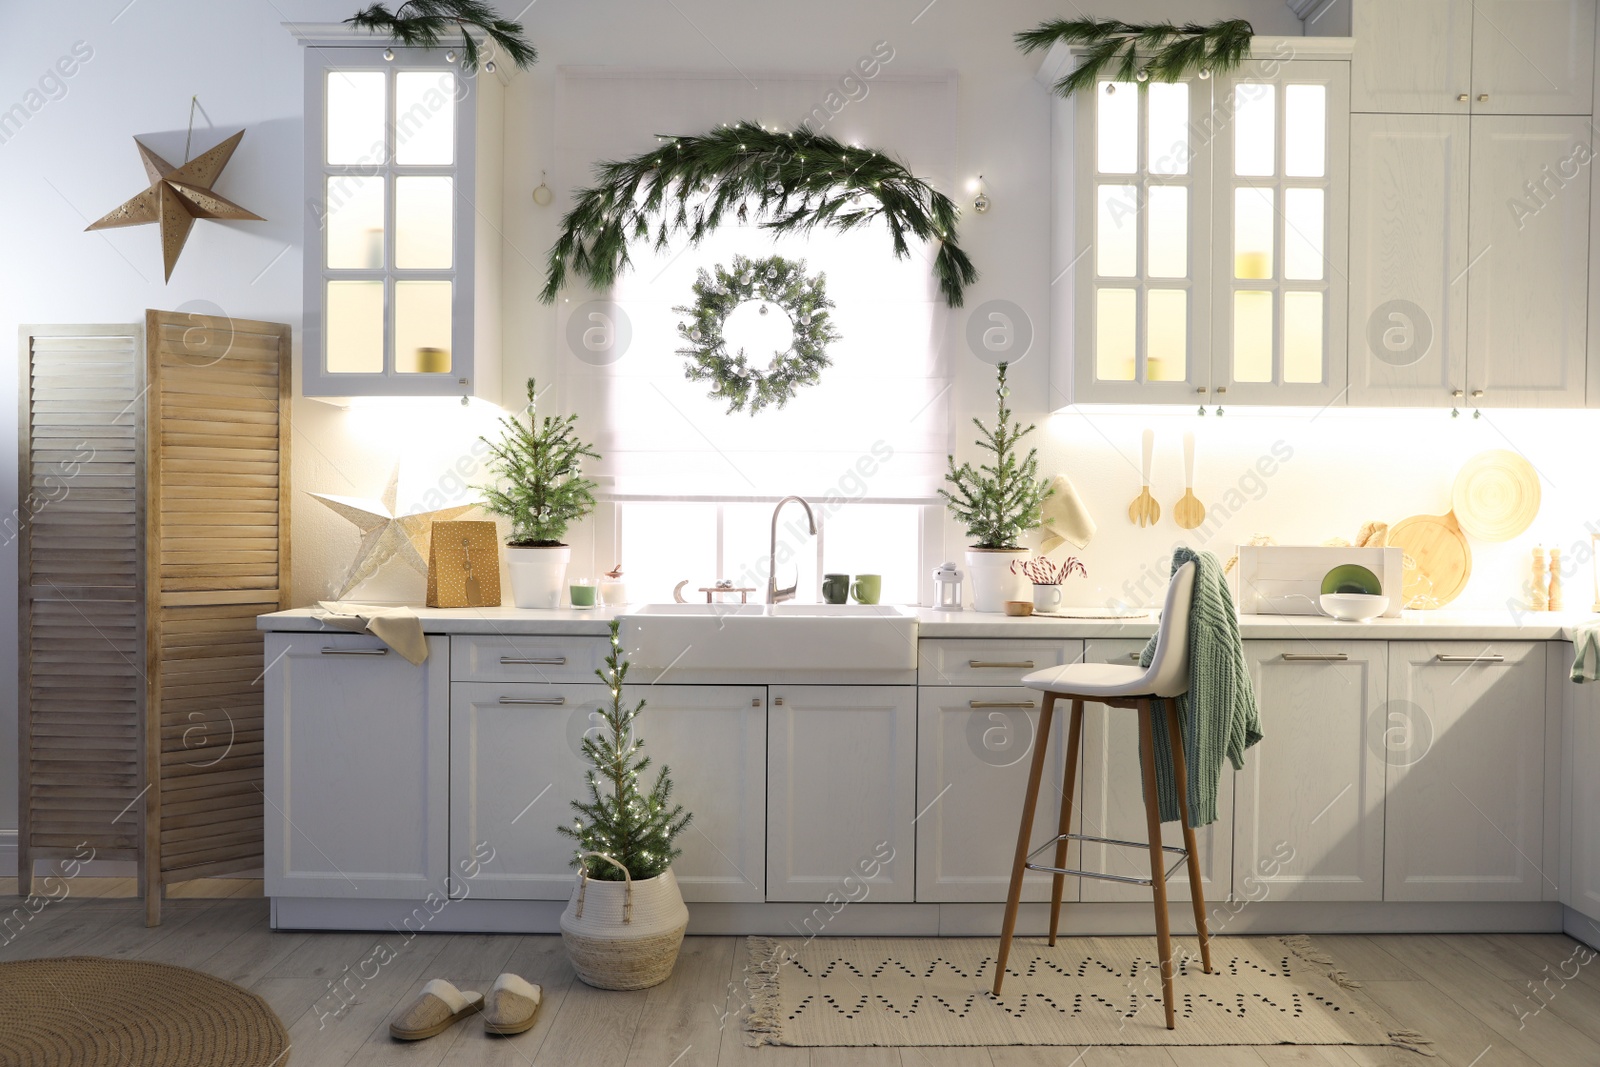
[[1144, 510], [1189, 512]]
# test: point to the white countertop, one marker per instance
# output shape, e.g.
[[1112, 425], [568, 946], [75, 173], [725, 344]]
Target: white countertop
[[1412, 626]]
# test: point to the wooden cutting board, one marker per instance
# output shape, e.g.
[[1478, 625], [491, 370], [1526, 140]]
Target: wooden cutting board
[[1441, 557]]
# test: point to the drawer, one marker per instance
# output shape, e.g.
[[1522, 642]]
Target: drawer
[[527, 658], [989, 661]]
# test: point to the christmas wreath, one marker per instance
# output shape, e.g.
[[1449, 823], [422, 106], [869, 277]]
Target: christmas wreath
[[777, 283]]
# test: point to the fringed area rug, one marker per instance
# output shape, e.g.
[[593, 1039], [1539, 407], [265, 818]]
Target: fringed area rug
[[1085, 991]]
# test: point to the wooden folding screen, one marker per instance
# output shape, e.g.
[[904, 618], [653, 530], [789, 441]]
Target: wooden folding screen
[[207, 491], [80, 586]]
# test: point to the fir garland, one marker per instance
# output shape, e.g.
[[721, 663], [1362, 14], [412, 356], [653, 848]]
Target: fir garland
[[794, 181], [775, 281], [1172, 52], [998, 502], [636, 828], [429, 19]]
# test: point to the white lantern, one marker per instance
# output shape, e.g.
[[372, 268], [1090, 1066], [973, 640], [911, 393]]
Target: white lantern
[[947, 588]]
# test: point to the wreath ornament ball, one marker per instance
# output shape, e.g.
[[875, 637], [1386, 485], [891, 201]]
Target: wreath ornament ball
[[740, 380]]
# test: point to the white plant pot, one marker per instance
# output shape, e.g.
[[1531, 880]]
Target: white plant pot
[[538, 575], [624, 935], [992, 581]]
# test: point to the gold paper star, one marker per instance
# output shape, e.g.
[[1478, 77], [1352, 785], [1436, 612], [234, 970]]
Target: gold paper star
[[385, 535], [176, 197]]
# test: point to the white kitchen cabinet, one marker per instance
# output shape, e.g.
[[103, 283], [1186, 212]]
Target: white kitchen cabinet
[[401, 258], [1308, 805], [1528, 281], [1408, 258], [1580, 756], [357, 770], [1113, 803], [1532, 57], [516, 763], [1412, 56], [1464, 807], [1469, 274], [1482, 57], [841, 792], [974, 749]]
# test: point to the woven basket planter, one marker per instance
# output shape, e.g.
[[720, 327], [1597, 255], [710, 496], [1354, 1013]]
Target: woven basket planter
[[624, 935]]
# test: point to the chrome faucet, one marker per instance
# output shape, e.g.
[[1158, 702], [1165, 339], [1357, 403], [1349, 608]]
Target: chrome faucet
[[774, 594]]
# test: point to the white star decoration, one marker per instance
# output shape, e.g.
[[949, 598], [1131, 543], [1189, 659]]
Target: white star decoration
[[385, 535]]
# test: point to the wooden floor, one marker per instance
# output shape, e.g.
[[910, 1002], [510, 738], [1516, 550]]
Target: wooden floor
[[1473, 995]]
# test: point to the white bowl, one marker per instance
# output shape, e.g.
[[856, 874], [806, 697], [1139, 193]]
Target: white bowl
[[1354, 607]]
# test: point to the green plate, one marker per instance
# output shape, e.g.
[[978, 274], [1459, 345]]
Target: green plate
[[1351, 578]]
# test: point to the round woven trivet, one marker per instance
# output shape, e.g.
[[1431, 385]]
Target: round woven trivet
[[82, 1010]]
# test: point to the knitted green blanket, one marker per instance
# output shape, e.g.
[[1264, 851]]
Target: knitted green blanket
[[1217, 717]]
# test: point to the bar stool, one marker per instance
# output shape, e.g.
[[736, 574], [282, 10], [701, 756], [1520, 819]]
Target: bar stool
[[1131, 688]]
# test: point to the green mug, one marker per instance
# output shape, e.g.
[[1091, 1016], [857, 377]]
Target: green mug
[[867, 588], [835, 588]]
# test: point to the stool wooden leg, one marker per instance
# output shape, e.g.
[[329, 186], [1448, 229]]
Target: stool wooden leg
[[1030, 800], [1158, 881], [1069, 783], [1180, 778]]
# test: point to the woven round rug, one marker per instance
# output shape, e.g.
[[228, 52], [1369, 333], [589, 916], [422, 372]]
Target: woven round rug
[[84, 1011]]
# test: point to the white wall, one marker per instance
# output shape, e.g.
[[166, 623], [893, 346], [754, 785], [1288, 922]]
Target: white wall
[[74, 159]]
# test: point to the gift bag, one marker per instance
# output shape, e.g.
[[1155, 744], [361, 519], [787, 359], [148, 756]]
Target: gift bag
[[464, 565]]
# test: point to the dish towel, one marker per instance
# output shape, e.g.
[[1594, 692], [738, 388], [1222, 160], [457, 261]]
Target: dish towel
[[397, 627], [1586, 651], [1064, 516], [1217, 717]]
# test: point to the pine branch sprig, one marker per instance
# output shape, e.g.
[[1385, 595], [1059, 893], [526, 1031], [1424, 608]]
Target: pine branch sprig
[[422, 24], [791, 181], [1169, 52]]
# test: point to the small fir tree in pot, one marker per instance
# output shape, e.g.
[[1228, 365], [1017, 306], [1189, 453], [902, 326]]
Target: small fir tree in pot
[[539, 486], [997, 502], [625, 922]]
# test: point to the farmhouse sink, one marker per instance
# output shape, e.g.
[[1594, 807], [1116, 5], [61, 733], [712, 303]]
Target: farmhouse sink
[[820, 637]]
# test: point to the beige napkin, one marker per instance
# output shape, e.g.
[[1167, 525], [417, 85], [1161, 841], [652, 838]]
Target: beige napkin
[[396, 626], [1065, 517]]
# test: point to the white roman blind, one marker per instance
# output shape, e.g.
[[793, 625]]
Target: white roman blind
[[877, 426]]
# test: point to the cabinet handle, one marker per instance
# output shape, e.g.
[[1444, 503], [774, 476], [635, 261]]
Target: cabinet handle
[[533, 661], [1201, 389], [556, 701], [1483, 98], [1314, 657], [1000, 704], [777, 701], [1477, 393], [981, 664], [1470, 659], [355, 651], [1463, 98], [1221, 389], [1135, 656], [1457, 393]]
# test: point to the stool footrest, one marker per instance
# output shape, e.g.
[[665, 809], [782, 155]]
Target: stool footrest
[[1181, 853]]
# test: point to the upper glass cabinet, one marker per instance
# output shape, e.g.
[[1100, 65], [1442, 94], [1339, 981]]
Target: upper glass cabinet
[[1200, 236], [402, 224]]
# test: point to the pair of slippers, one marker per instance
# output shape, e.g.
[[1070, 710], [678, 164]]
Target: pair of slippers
[[509, 1007]]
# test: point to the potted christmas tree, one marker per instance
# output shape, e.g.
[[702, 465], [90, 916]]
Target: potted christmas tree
[[541, 489], [624, 924], [997, 502]]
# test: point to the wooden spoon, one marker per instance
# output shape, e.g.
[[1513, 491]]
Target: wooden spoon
[[1144, 510], [1189, 512]]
